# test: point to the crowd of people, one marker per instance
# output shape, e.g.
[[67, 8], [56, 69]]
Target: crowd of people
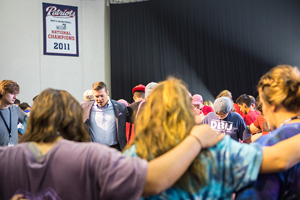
[[167, 144]]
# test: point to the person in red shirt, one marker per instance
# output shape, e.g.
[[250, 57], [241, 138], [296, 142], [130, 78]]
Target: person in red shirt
[[254, 103], [245, 104], [238, 110], [260, 124]]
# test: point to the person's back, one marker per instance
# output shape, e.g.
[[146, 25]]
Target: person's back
[[70, 170], [207, 109], [229, 167], [217, 172], [250, 117], [279, 92], [46, 165], [284, 185]]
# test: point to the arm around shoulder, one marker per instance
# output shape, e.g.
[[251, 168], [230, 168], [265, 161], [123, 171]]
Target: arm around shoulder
[[281, 156], [165, 170]]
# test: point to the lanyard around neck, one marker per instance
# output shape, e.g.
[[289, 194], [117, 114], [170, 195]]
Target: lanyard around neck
[[288, 120], [8, 128]]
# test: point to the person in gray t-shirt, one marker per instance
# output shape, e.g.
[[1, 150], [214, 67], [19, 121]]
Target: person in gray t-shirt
[[9, 114]]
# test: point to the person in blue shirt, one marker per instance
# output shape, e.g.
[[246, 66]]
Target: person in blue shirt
[[227, 122], [279, 92], [217, 172]]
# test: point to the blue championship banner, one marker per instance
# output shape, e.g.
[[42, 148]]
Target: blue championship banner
[[60, 30]]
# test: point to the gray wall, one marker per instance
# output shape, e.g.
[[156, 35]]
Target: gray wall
[[21, 48]]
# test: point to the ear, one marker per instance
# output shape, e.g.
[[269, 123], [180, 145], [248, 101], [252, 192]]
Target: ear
[[107, 93], [274, 108]]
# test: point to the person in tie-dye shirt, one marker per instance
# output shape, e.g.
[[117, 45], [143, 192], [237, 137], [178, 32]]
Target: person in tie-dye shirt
[[217, 172]]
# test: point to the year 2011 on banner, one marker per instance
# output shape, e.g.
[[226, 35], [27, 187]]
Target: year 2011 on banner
[[61, 46]]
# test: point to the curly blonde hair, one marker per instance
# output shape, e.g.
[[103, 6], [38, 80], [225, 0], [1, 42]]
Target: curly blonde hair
[[166, 119], [281, 86]]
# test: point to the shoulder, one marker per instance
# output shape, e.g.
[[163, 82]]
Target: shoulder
[[248, 117], [211, 115], [237, 117], [88, 150], [207, 108], [17, 112], [15, 153], [253, 113], [118, 104], [135, 105], [87, 104], [15, 108], [281, 133], [260, 117], [229, 151], [131, 151]]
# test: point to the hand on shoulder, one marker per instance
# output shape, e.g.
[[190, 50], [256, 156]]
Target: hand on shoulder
[[206, 135]]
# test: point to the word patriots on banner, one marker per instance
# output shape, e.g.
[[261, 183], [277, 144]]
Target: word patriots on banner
[[56, 12]]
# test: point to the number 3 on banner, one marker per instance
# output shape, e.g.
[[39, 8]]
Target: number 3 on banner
[[61, 46]]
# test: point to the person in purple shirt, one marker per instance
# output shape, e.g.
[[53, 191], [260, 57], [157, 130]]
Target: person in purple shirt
[[56, 161]]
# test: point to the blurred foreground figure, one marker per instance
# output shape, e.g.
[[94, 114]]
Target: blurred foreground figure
[[56, 161], [279, 92], [216, 173]]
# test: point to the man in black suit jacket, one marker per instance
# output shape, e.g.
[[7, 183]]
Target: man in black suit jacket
[[106, 118]]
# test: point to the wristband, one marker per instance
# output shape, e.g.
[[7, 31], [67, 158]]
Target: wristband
[[199, 141]]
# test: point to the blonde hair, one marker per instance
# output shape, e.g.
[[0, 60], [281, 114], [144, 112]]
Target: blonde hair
[[224, 93], [208, 103], [227, 93], [281, 86], [167, 118]]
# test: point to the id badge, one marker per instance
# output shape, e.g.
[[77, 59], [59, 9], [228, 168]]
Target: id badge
[[10, 144]]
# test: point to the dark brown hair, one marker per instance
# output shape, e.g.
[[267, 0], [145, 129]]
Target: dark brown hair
[[24, 106], [244, 98], [8, 86], [55, 113], [258, 104]]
